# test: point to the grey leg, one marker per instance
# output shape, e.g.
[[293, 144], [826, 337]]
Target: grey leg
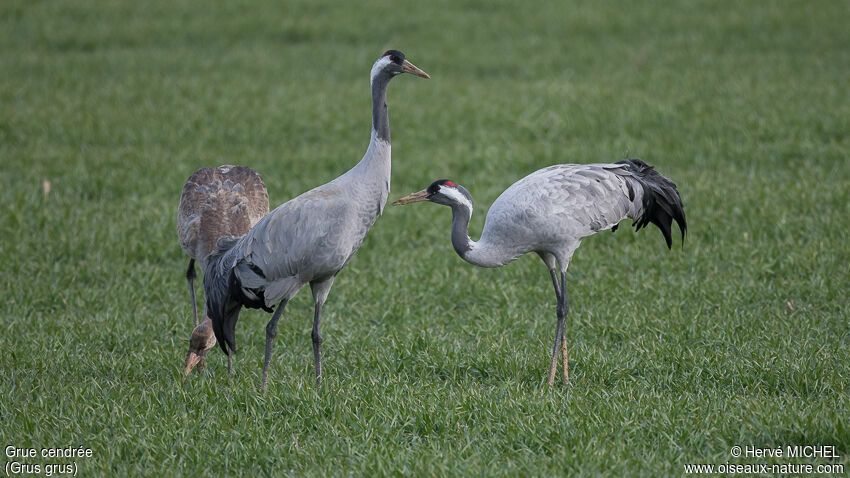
[[271, 333], [558, 335], [560, 329], [317, 344], [554, 275], [566, 310], [320, 294], [190, 277]]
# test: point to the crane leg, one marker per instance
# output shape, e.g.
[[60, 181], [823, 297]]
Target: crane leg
[[558, 329], [554, 365], [566, 362], [190, 278], [566, 308], [271, 333], [317, 344], [554, 275], [320, 294]]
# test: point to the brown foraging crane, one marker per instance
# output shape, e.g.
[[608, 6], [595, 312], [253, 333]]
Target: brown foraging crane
[[216, 202]]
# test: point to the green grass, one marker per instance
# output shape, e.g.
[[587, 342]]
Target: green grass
[[432, 366]]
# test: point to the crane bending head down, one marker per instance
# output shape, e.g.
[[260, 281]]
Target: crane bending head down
[[214, 203]]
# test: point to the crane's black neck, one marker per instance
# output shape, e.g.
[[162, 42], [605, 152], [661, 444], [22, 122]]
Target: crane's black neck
[[481, 253], [380, 119], [460, 230]]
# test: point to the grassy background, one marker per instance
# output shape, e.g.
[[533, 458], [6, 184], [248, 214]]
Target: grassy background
[[432, 366]]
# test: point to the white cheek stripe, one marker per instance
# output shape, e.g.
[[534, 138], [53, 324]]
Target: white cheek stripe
[[457, 196], [378, 66]]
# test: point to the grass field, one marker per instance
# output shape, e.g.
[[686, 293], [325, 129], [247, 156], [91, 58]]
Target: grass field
[[432, 366]]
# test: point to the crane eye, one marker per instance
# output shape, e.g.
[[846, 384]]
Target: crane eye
[[393, 57]]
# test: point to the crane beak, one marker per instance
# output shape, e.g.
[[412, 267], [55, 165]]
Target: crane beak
[[409, 67], [192, 359], [411, 198]]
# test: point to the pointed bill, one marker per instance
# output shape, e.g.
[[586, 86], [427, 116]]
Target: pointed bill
[[409, 67], [411, 198], [192, 360]]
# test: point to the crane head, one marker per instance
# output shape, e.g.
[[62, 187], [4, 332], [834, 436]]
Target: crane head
[[201, 342], [443, 192], [393, 63]]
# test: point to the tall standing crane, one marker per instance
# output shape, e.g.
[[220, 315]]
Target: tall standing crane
[[550, 211], [308, 239], [216, 202]]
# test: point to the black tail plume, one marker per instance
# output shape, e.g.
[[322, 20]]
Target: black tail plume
[[662, 203], [225, 329], [222, 309]]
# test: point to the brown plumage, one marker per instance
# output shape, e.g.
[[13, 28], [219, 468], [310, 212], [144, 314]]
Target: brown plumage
[[215, 202]]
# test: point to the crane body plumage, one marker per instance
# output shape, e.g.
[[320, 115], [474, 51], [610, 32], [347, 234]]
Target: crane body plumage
[[551, 210], [313, 236], [216, 202], [308, 239]]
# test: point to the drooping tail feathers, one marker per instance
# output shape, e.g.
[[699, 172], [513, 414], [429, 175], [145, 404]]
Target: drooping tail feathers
[[661, 203], [222, 308]]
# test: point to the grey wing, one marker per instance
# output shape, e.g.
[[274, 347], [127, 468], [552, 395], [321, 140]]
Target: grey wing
[[563, 202], [306, 238]]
